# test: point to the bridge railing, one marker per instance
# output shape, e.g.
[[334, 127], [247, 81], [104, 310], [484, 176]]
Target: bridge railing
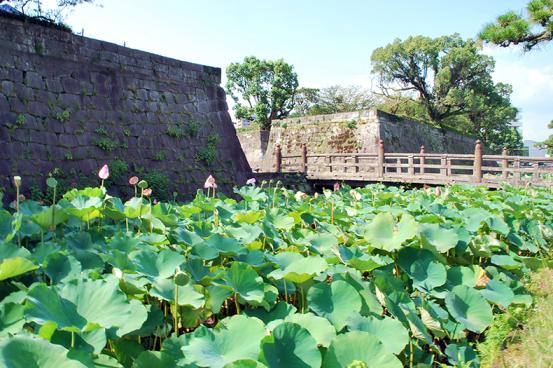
[[420, 167]]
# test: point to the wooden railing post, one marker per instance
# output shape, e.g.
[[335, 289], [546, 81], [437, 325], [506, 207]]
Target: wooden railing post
[[356, 161], [504, 163], [421, 160], [517, 174], [380, 169], [411, 168], [477, 168], [443, 165], [278, 159], [330, 163], [304, 158]]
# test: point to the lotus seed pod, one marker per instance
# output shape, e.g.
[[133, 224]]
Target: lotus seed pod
[[181, 278], [52, 183], [17, 181]]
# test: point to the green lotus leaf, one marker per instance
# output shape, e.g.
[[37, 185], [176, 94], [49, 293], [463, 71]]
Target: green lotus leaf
[[23, 351], [384, 233], [319, 328], [389, 331], [369, 301], [218, 244], [46, 305], [154, 359], [474, 217], [188, 294], [243, 280], [469, 308], [54, 215], [235, 338], [245, 233], [462, 355], [86, 208], [157, 265], [280, 311], [279, 219], [359, 347], [61, 267], [245, 363], [290, 346], [461, 275], [362, 261], [249, 217], [296, 268], [102, 303], [423, 268], [16, 266], [11, 318], [336, 302], [9, 225], [506, 262], [498, 293], [135, 207], [439, 238]]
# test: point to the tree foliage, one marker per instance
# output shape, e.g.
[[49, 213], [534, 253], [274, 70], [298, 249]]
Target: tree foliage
[[513, 29], [263, 90], [51, 10], [332, 100], [548, 143], [448, 81]]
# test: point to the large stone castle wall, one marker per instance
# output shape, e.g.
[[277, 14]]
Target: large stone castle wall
[[69, 104], [349, 132]]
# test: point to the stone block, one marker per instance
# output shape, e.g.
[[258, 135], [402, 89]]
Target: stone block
[[34, 80], [7, 88]]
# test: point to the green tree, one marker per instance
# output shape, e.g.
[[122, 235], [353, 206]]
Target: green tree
[[54, 11], [548, 143], [452, 81], [513, 29], [263, 90]]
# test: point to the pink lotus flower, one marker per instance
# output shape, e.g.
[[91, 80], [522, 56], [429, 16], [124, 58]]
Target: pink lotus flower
[[250, 181], [104, 172], [438, 191], [336, 186], [210, 182], [147, 192]]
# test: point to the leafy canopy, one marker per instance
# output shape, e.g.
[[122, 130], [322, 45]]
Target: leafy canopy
[[49, 10], [263, 90], [448, 81], [529, 31], [332, 100]]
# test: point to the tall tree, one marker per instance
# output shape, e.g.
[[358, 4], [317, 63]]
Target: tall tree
[[452, 81], [263, 90], [513, 29]]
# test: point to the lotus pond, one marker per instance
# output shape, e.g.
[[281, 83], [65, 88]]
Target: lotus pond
[[372, 277]]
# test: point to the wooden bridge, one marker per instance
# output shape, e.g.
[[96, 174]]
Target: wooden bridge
[[421, 167]]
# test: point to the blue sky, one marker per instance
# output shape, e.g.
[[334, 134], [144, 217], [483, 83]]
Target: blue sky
[[328, 41]]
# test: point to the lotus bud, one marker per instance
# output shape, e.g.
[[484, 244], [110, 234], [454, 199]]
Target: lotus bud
[[355, 194], [285, 192], [17, 181], [117, 272], [210, 182], [104, 172], [147, 192], [298, 196], [336, 186], [437, 191], [316, 195], [250, 181], [328, 194]]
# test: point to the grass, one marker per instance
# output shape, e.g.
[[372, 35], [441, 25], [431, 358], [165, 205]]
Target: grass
[[523, 337]]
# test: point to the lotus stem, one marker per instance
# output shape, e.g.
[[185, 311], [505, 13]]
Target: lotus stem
[[72, 339], [236, 303], [332, 213], [285, 292], [176, 316], [411, 355]]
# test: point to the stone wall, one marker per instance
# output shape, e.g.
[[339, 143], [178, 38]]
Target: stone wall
[[353, 132], [69, 104]]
